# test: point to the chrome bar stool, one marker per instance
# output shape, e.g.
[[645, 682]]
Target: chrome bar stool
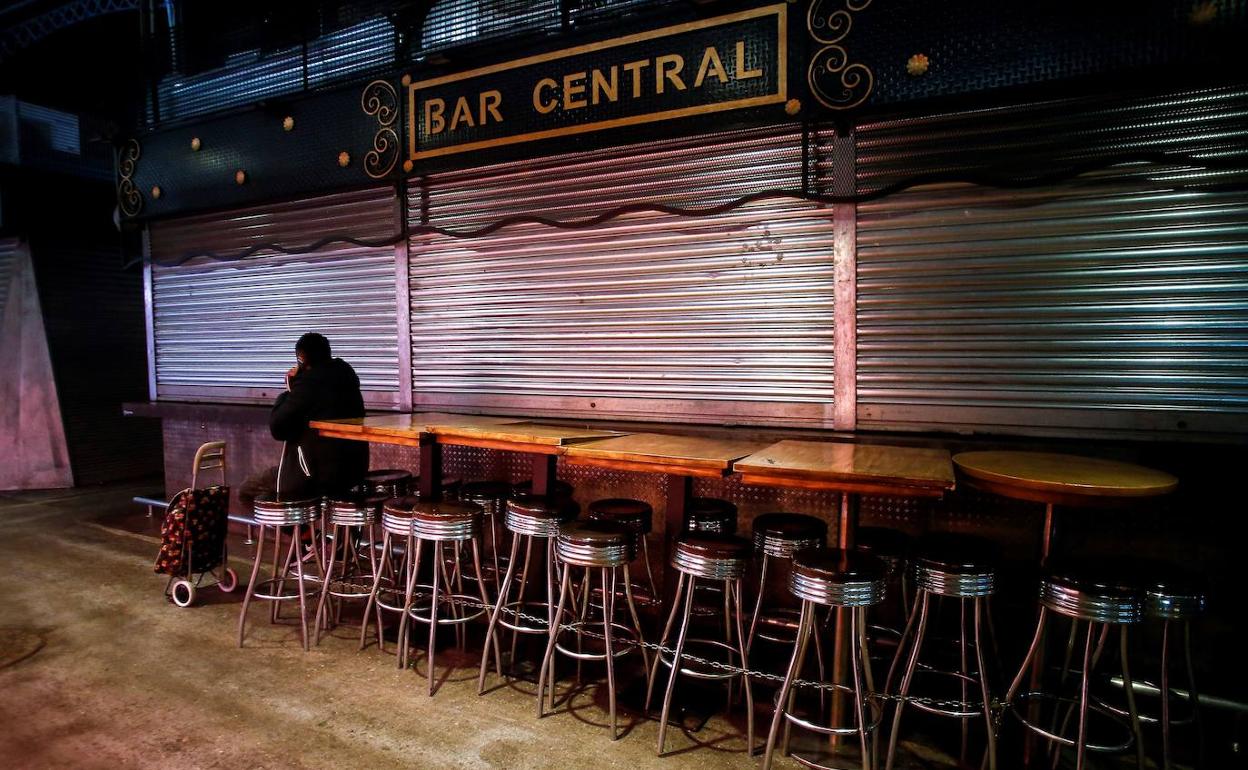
[[349, 548], [389, 482], [894, 548], [386, 593], [492, 497], [606, 547], [722, 559], [440, 524], [1173, 598], [281, 517], [710, 514], [961, 568], [531, 519], [637, 517], [851, 580], [778, 536], [1100, 596]]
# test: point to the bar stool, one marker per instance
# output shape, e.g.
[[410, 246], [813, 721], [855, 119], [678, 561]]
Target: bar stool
[[281, 517], [350, 520], [492, 497], [851, 580], [386, 592], [780, 536], [710, 514], [437, 524], [957, 567], [635, 516], [607, 547], [1172, 595], [529, 518], [1097, 594], [893, 547], [723, 559], [390, 482]]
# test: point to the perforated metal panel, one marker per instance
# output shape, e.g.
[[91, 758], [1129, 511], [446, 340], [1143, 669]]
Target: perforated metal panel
[[249, 76], [1118, 300], [718, 316], [226, 329]]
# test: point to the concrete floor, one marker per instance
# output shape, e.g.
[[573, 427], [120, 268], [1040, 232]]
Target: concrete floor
[[125, 679], [98, 669]]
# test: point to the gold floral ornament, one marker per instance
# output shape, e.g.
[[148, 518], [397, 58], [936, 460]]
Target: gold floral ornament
[[196, 144], [240, 177], [156, 192], [792, 106], [380, 101], [344, 159], [408, 166], [288, 124], [918, 64]]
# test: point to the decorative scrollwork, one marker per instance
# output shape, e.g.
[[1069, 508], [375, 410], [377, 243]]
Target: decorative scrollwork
[[380, 160], [381, 101], [829, 28], [129, 199], [835, 82]]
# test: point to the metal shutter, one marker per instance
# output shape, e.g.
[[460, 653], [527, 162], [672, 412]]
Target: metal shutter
[[1115, 301], [716, 317], [8, 258], [227, 330]]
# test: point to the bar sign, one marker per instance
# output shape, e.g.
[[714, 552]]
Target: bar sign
[[725, 63]]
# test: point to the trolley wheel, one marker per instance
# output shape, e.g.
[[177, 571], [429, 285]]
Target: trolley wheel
[[182, 593], [228, 581]]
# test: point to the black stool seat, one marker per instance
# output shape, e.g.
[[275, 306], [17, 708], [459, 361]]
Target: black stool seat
[[595, 544], [711, 555], [710, 514], [445, 510], [837, 578], [636, 515], [355, 510], [950, 564], [484, 492], [539, 515], [558, 489], [783, 534], [1099, 590]]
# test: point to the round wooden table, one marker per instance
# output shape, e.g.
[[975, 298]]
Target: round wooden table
[[1060, 479]]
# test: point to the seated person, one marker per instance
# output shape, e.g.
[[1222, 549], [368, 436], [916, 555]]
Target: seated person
[[320, 387]]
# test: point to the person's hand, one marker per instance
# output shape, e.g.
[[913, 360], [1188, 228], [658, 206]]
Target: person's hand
[[294, 371]]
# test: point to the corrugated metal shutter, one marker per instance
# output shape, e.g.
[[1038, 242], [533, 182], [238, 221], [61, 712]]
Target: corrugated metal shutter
[[1115, 301], [227, 329], [719, 316], [8, 254]]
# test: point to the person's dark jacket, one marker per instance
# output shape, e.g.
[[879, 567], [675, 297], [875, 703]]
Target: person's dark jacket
[[326, 391]]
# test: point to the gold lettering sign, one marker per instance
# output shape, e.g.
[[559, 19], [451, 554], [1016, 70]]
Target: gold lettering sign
[[730, 62]]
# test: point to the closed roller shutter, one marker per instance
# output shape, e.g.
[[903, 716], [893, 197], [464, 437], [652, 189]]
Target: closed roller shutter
[[726, 316], [1114, 301], [227, 329], [8, 254]]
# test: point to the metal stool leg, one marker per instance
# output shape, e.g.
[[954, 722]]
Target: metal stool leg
[[632, 611], [608, 614], [923, 603], [548, 657], [251, 585], [1129, 688], [1081, 742], [412, 552], [680, 650], [784, 697], [645, 557], [492, 630], [857, 618], [744, 652], [329, 573], [438, 565], [485, 602], [758, 601], [372, 603], [303, 599], [667, 633]]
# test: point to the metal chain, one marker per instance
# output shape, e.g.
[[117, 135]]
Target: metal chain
[[727, 668]]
